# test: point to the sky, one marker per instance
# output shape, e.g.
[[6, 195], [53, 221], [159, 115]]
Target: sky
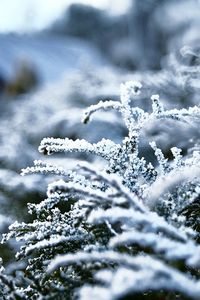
[[29, 15]]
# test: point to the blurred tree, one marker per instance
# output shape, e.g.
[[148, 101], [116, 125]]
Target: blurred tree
[[148, 40], [24, 80], [2, 83], [138, 39]]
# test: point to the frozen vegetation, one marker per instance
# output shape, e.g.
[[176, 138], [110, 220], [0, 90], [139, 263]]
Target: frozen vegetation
[[108, 208], [102, 231]]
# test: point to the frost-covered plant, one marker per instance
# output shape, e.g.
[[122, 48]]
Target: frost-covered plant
[[116, 232]]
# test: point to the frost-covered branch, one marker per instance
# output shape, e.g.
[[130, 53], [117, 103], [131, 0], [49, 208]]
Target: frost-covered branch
[[150, 222], [158, 275], [104, 148], [66, 189], [169, 182], [105, 105], [124, 282], [170, 249], [114, 181]]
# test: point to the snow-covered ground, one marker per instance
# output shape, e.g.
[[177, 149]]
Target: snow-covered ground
[[51, 55]]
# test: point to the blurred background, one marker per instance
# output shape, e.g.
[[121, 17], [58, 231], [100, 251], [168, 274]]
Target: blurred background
[[59, 56]]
